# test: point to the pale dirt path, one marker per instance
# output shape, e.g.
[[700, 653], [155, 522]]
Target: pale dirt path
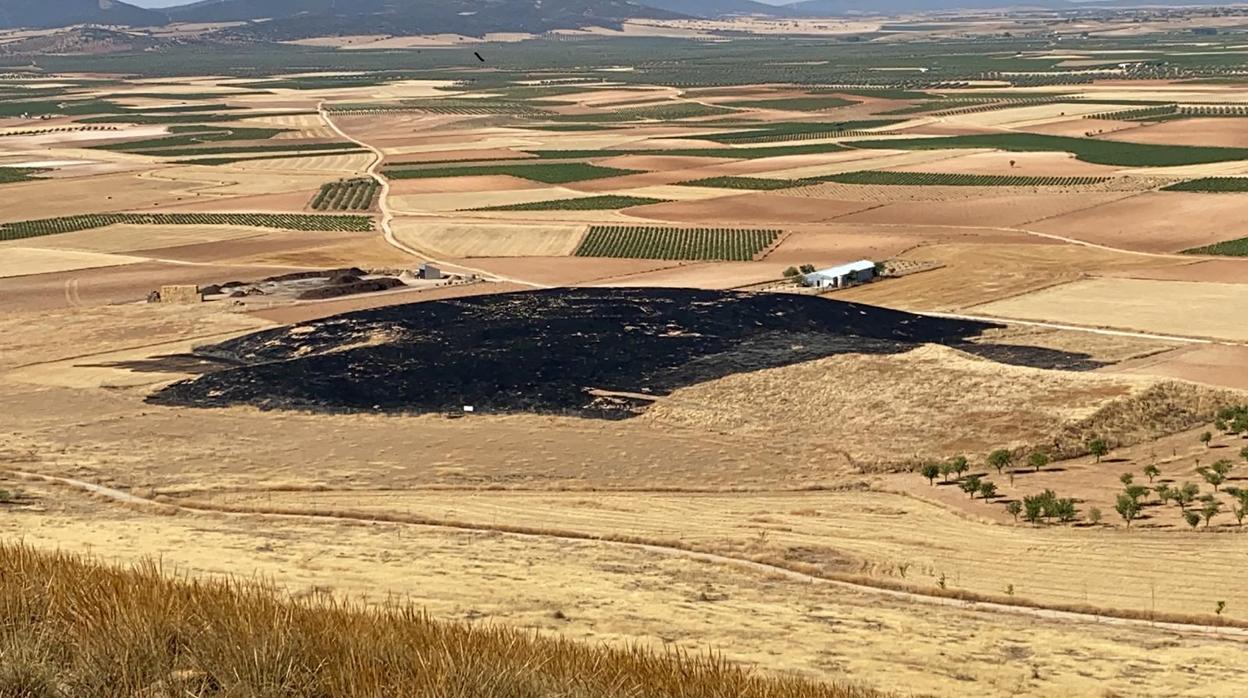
[[714, 558], [387, 215]]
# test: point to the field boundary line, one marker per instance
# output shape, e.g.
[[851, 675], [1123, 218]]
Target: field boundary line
[[965, 602], [1077, 328]]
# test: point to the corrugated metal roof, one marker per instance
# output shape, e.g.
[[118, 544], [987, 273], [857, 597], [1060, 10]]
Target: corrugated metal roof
[[843, 269]]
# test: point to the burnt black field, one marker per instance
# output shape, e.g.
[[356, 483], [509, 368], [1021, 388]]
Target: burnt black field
[[556, 351]]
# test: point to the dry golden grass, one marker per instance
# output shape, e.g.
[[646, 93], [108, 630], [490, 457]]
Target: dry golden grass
[[490, 239], [76, 628], [881, 410], [1206, 309]]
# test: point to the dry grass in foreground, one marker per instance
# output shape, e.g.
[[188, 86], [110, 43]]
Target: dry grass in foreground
[[71, 627]]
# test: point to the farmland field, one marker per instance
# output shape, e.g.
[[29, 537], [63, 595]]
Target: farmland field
[[347, 194], [1213, 185], [1089, 150], [938, 179], [646, 242], [1230, 248], [551, 174], [53, 226], [587, 203], [565, 369]]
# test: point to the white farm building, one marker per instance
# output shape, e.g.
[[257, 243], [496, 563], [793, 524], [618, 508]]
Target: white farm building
[[841, 276]]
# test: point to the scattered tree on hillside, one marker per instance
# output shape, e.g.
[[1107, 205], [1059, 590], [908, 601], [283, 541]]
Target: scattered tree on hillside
[[1211, 509], [1164, 493], [1206, 437], [1094, 516], [1192, 518], [1033, 508], [1000, 459], [970, 485], [1241, 500], [930, 471], [1014, 508], [1212, 476], [1222, 466], [1064, 509], [946, 469], [1037, 460], [1220, 424], [987, 489], [791, 272], [1136, 492], [1126, 478], [1186, 494], [1127, 508], [1098, 448], [960, 464], [1151, 471]]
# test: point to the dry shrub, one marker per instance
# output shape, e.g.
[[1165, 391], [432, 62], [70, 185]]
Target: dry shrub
[[1165, 408], [69, 626]]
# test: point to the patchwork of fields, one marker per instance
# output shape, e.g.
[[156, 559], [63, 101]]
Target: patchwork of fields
[[1059, 323]]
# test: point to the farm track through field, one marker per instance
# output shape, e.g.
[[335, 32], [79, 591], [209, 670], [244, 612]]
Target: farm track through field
[[387, 215], [668, 549]]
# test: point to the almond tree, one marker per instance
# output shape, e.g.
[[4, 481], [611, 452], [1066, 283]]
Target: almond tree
[[1241, 499], [1014, 508], [1212, 476], [930, 471], [971, 485], [1000, 459], [1151, 471], [1206, 437], [987, 489], [1037, 460], [1098, 448], [1192, 518], [1211, 509], [1127, 508]]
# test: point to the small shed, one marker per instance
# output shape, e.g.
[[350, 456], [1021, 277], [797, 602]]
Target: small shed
[[841, 276], [428, 271]]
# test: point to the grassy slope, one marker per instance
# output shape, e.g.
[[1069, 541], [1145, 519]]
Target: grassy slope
[[1086, 149], [74, 627]]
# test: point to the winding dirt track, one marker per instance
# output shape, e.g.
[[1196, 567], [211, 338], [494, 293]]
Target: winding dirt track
[[387, 215], [669, 550]]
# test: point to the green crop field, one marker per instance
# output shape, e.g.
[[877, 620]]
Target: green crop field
[[798, 130], [553, 173], [1086, 149], [281, 221], [193, 135], [1229, 248], [794, 103], [347, 195], [672, 112], [944, 179], [749, 183], [1213, 185], [288, 146], [274, 156], [143, 118], [646, 242], [735, 153], [81, 107], [587, 203], [9, 175]]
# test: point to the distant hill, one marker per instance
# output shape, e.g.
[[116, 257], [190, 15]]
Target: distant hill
[[719, 8], [79, 41], [294, 19], [63, 13]]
